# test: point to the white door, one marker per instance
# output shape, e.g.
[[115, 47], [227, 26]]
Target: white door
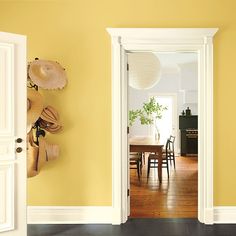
[[126, 101], [12, 127]]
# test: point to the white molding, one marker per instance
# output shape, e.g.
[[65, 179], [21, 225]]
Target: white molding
[[162, 33], [69, 214], [225, 215], [101, 215], [162, 40]]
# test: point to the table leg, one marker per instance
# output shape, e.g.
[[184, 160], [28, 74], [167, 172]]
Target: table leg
[[160, 165]]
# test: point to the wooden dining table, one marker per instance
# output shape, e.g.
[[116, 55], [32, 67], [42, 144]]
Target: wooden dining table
[[147, 144]]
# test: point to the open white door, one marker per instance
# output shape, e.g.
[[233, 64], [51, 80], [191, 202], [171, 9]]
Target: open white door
[[13, 112], [126, 91]]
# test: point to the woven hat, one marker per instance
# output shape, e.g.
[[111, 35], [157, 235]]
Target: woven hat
[[32, 159], [32, 156], [34, 106], [49, 120], [47, 74], [42, 153], [52, 151]]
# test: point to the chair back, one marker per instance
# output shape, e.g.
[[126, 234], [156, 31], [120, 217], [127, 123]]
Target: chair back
[[172, 143], [167, 146]]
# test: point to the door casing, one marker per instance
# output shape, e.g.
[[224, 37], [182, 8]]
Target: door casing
[[199, 40]]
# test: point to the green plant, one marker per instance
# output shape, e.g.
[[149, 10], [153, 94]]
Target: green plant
[[148, 113]]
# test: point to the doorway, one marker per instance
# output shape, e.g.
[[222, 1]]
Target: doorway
[[196, 40], [176, 196]]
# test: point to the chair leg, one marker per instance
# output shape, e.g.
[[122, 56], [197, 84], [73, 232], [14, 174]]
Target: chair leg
[[143, 157], [141, 165], [148, 170], [138, 169], [167, 167], [169, 159], [174, 159]]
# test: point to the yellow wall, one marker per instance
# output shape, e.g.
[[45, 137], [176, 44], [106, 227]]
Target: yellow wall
[[73, 33]]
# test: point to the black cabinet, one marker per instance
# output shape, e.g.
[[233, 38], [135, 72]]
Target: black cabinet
[[189, 135], [183, 145], [188, 122]]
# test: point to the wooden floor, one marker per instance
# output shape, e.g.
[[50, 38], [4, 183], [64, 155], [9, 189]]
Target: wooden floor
[[176, 198]]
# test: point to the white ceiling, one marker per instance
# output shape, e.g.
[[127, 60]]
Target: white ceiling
[[176, 58]]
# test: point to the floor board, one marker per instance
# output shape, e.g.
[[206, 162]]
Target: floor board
[[176, 198]]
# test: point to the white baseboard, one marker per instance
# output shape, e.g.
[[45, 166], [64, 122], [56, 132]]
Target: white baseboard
[[101, 215], [225, 215], [69, 215]]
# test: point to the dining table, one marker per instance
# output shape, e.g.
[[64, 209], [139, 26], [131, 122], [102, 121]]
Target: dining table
[[147, 144]]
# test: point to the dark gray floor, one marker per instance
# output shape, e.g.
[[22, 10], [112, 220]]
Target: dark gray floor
[[137, 227]]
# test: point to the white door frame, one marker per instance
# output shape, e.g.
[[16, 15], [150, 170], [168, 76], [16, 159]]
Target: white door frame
[[162, 40]]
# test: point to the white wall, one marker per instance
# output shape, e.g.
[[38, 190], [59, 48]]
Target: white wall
[[179, 79]]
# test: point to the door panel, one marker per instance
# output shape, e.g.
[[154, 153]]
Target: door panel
[[6, 197], [6, 89], [12, 125]]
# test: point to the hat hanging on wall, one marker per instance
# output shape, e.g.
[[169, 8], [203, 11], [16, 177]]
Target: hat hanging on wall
[[34, 106], [47, 74], [52, 151], [49, 120], [144, 70]]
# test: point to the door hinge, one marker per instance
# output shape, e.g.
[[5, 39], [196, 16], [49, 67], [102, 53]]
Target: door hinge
[[128, 192], [127, 67], [128, 130]]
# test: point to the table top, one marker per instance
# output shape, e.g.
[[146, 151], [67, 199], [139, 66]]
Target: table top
[[144, 140]]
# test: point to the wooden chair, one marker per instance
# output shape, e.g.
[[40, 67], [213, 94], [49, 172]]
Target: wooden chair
[[171, 150], [135, 162], [153, 160]]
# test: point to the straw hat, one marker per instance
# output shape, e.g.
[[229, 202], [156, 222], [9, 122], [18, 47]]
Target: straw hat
[[34, 106], [52, 151], [49, 120], [32, 158], [42, 153], [47, 74]]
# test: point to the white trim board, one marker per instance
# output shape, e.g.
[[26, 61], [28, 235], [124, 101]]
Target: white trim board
[[225, 215], [198, 40], [69, 215], [101, 215]]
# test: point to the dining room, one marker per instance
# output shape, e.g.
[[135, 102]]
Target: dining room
[[163, 134]]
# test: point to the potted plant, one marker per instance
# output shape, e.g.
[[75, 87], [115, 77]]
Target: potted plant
[[149, 112]]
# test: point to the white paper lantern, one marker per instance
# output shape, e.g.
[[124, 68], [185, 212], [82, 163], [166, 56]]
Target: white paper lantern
[[144, 70]]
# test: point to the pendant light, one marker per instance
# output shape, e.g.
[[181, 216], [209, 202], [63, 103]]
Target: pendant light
[[144, 70]]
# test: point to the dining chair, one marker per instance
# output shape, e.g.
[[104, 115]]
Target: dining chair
[[153, 159], [135, 162], [171, 150]]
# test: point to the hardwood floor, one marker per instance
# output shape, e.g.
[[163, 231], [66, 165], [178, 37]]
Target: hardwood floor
[[176, 198]]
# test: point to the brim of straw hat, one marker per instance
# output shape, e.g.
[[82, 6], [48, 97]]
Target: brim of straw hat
[[35, 100], [32, 158], [47, 74], [42, 153], [52, 151]]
